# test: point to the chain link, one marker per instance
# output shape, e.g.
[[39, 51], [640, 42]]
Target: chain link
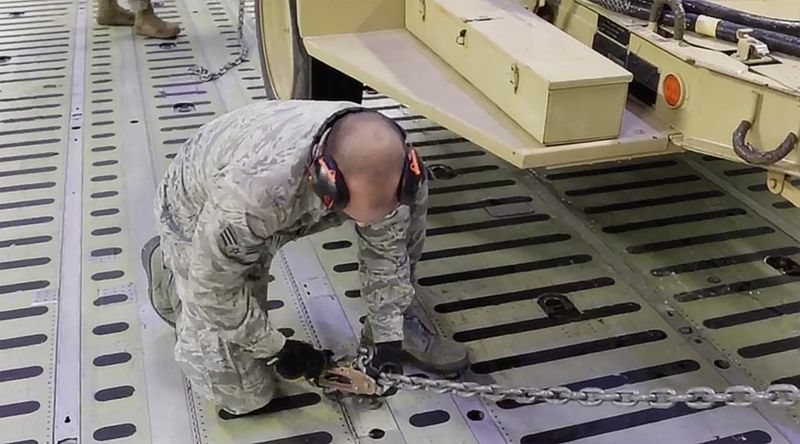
[[205, 75], [695, 397]]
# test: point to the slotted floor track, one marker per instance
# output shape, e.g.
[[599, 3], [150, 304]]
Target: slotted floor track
[[724, 267], [36, 43], [532, 271]]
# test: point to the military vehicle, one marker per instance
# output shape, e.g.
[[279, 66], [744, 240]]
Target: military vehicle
[[555, 83]]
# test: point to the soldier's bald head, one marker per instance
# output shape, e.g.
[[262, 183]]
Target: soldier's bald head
[[370, 153]]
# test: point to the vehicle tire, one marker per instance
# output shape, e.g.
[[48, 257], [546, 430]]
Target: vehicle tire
[[288, 69]]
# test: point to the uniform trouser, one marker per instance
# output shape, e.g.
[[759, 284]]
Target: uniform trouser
[[136, 5], [221, 372]]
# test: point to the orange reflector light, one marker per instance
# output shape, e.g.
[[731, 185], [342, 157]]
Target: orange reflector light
[[673, 90]]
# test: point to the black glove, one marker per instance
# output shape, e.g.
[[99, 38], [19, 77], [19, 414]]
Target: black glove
[[387, 359], [299, 359]]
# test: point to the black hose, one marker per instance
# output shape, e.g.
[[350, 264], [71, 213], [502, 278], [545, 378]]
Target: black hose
[[726, 30], [783, 26], [752, 156], [775, 41], [703, 7]]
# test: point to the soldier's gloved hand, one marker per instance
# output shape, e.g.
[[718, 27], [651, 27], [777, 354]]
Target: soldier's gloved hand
[[299, 359], [386, 359]]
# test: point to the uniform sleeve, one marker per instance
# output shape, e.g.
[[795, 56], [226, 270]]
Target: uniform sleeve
[[224, 249], [388, 253], [416, 229]]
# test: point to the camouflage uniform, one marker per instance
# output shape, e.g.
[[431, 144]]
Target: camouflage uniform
[[235, 193]]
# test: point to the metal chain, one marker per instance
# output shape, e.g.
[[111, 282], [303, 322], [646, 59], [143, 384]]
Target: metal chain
[[695, 397], [205, 75]]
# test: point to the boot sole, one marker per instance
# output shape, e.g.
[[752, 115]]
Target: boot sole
[[447, 371], [147, 255]]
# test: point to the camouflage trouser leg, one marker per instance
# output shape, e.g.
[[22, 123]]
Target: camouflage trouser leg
[[161, 285], [221, 372], [138, 5]]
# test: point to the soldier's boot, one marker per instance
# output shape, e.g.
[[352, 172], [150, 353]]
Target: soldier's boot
[[148, 24], [159, 282], [425, 347], [110, 13]]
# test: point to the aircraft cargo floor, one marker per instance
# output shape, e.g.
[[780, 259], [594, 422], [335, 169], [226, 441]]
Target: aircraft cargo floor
[[679, 268]]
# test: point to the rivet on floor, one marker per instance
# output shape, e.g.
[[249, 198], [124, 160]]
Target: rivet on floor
[[723, 364], [442, 172], [475, 415], [184, 107], [376, 433]]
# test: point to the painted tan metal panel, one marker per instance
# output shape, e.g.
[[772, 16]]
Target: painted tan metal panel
[[393, 62], [710, 80], [518, 61], [322, 17], [575, 112]]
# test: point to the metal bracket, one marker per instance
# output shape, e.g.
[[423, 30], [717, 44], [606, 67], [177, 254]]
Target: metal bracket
[[677, 9], [346, 378], [750, 50], [513, 77], [779, 183], [461, 40]]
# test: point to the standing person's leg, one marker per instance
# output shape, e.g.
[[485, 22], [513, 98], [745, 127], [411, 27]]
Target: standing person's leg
[[160, 277], [147, 23], [110, 13], [423, 345], [221, 372]]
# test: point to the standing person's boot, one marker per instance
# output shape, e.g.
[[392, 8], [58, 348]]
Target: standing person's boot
[[110, 13], [160, 288], [425, 347], [148, 24]]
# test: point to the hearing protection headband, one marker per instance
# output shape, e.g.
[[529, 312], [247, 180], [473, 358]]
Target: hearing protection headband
[[329, 183]]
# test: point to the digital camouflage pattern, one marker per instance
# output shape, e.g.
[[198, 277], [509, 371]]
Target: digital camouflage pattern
[[232, 197]]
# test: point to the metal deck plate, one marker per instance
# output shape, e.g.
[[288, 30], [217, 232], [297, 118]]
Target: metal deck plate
[[36, 41], [481, 276], [704, 250], [90, 117]]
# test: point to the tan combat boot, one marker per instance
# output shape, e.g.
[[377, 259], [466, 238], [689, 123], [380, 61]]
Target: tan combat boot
[[426, 348], [148, 24], [160, 288], [110, 13]]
